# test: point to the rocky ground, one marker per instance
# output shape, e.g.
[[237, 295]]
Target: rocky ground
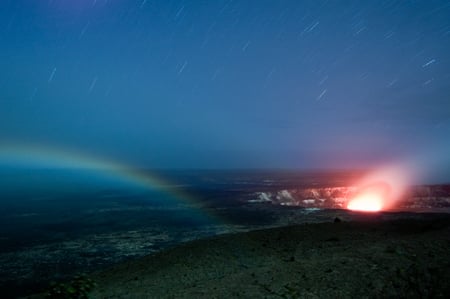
[[100, 236], [370, 257], [417, 198]]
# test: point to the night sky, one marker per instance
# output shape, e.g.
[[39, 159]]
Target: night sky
[[240, 84]]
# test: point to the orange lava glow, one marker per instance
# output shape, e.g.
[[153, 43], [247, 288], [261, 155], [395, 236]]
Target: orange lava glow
[[366, 203], [380, 189], [372, 197]]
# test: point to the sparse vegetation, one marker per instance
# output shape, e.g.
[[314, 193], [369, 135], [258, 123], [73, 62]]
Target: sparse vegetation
[[77, 288]]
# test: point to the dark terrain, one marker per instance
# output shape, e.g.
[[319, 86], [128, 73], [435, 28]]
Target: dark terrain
[[52, 236], [369, 258]]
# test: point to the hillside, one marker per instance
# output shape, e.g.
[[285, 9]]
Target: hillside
[[368, 259]]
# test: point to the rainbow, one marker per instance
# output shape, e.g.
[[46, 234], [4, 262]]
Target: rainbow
[[32, 156]]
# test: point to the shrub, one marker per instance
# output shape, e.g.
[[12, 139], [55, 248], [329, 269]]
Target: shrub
[[77, 288]]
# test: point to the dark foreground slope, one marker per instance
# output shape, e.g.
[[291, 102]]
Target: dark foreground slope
[[368, 258], [407, 258]]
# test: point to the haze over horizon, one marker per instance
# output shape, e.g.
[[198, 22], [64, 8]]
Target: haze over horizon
[[228, 84]]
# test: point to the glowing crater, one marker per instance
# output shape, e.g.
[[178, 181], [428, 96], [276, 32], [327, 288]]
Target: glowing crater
[[366, 202], [373, 197], [380, 189]]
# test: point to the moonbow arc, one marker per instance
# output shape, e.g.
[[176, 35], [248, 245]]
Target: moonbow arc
[[14, 156]]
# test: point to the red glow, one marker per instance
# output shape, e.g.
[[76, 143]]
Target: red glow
[[371, 198], [380, 189], [366, 202]]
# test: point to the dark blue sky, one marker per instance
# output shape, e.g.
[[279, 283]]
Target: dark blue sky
[[298, 84]]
